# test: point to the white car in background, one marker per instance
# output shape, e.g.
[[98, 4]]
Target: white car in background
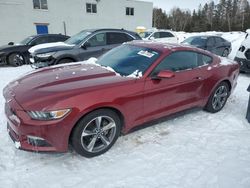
[[243, 54], [160, 36]]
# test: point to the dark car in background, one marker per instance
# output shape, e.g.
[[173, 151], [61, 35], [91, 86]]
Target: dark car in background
[[17, 54], [82, 46], [214, 44]]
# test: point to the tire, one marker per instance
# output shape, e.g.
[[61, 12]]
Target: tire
[[16, 59], [225, 53], [218, 98], [96, 133], [66, 60]]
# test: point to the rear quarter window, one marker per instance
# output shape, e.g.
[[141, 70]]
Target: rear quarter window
[[166, 35], [205, 60]]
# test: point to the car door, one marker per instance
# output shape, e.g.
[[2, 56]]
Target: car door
[[165, 96], [211, 46], [93, 47]]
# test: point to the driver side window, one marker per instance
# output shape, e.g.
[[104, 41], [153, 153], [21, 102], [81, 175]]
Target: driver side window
[[178, 61], [39, 40], [210, 42], [99, 39], [156, 35]]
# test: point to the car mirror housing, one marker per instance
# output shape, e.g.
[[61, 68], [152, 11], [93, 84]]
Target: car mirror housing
[[165, 74], [11, 43]]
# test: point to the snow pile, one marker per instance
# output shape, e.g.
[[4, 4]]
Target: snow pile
[[47, 45], [195, 149], [226, 61], [136, 74]]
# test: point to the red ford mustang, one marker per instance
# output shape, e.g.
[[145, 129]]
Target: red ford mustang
[[88, 105]]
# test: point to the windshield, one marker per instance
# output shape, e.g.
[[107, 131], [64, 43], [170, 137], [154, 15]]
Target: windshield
[[145, 34], [128, 59], [78, 38], [199, 41], [26, 40]]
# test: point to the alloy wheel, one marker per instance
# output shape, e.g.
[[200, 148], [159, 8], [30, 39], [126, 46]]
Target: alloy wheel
[[220, 97], [16, 59], [98, 134]]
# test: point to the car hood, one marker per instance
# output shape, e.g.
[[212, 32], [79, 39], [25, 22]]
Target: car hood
[[10, 47], [50, 47], [51, 84]]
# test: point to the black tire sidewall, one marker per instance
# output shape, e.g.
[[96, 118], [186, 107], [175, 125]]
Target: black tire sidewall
[[209, 106], [77, 131], [10, 61]]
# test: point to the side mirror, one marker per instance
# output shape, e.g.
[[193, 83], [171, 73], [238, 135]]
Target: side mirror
[[152, 38], [86, 45], [11, 43], [165, 74]]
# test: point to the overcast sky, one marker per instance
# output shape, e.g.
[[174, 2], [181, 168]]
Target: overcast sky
[[183, 4]]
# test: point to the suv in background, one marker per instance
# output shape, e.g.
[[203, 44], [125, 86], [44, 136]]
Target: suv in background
[[17, 54], [243, 54], [214, 44], [160, 36], [80, 47]]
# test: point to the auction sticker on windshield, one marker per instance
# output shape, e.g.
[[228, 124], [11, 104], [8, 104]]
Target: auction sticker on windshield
[[146, 54]]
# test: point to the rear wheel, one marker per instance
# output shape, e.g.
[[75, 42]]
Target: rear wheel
[[218, 98], [96, 133], [16, 59]]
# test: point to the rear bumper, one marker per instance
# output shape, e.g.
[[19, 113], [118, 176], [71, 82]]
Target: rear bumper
[[244, 64]]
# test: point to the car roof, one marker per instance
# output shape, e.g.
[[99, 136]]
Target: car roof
[[165, 47], [39, 35], [106, 29], [204, 36]]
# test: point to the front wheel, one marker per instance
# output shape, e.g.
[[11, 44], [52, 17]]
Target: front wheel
[[96, 133], [218, 98], [16, 59]]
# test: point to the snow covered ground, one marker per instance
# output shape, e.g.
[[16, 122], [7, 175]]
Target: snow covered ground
[[193, 150]]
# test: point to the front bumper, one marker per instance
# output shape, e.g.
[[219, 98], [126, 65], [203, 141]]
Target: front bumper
[[33, 135], [244, 64], [2, 59], [41, 62]]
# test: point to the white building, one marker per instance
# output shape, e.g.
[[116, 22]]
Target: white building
[[22, 18]]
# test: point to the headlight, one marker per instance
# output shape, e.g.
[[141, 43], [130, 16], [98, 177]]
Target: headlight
[[46, 55], [52, 115]]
